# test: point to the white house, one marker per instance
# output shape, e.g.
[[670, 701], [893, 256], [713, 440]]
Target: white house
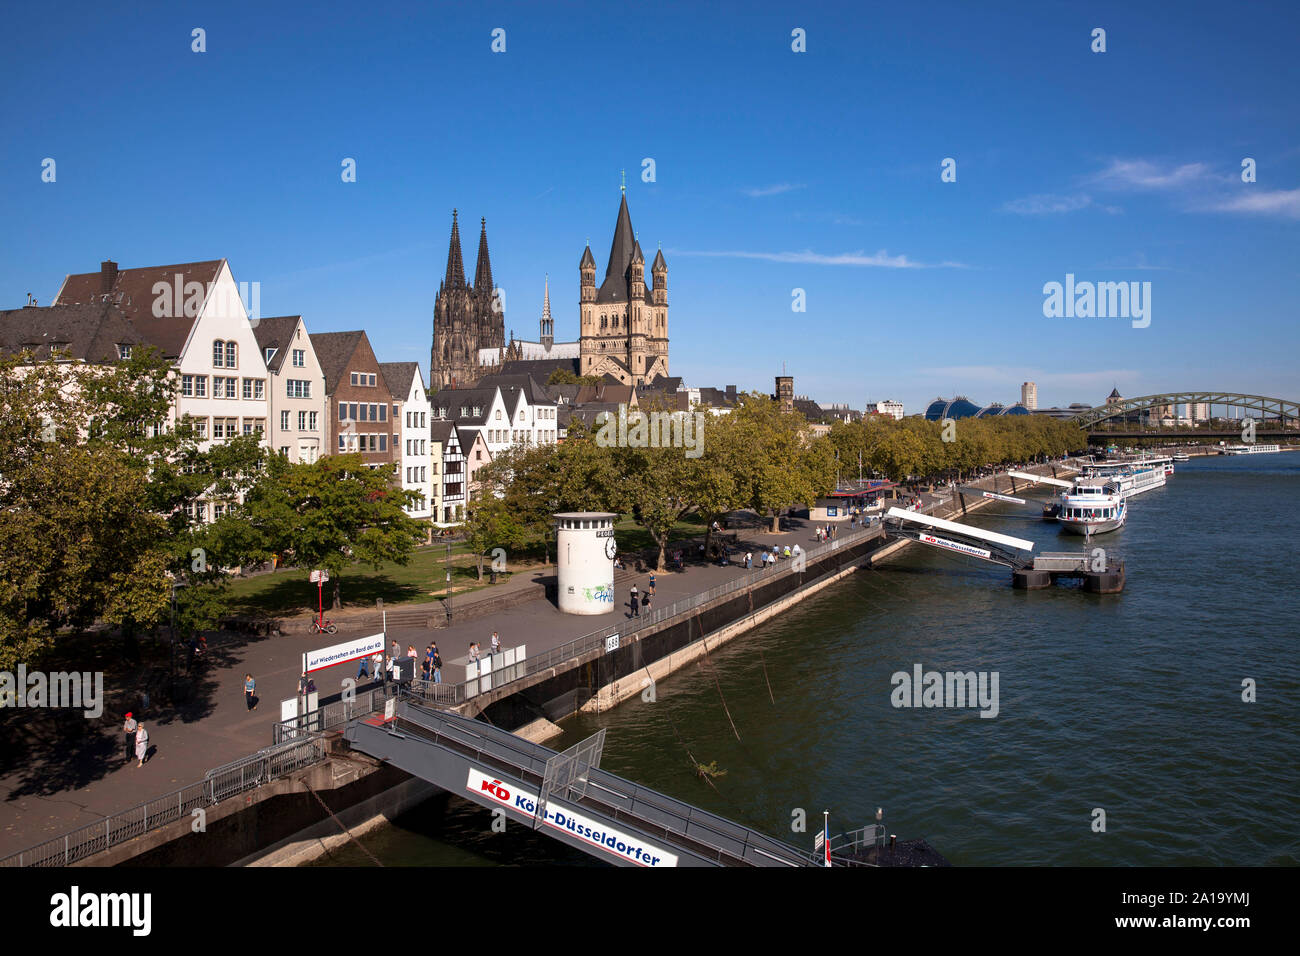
[[297, 422], [411, 420]]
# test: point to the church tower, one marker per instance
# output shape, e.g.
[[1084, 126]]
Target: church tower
[[624, 324], [465, 318]]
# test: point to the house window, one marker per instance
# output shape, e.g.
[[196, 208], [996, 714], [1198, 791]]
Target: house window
[[352, 411], [187, 385], [498, 414], [302, 421], [383, 413], [230, 355], [478, 455], [383, 442], [298, 388], [218, 354], [422, 478], [284, 421], [259, 389], [311, 421], [248, 389], [200, 386], [124, 352], [201, 429], [218, 510], [343, 443], [284, 450], [269, 352], [422, 422], [299, 358]]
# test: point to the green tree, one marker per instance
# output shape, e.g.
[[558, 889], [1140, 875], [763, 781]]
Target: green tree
[[332, 513]]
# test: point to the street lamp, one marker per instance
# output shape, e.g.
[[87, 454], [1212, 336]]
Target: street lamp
[[448, 582]]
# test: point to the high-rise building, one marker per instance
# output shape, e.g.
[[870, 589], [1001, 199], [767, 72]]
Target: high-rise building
[[1029, 395]]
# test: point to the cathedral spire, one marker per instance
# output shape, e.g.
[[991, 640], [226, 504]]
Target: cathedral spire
[[455, 268], [483, 272]]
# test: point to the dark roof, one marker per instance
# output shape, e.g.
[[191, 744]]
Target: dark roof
[[667, 383], [1114, 393], [532, 388], [716, 398], [399, 375], [334, 350], [563, 414], [441, 430], [454, 399], [659, 262], [587, 258], [132, 291], [562, 394], [809, 409], [539, 369], [87, 333], [621, 252], [615, 393], [276, 333], [665, 398], [587, 414], [466, 438]]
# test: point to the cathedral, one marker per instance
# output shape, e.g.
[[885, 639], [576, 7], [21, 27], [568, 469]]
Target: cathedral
[[466, 319], [623, 323]]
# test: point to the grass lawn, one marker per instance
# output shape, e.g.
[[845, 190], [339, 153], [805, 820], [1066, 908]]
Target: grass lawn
[[287, 591]]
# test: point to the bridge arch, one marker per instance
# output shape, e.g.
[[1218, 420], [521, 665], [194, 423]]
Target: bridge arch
[[1261, 406]]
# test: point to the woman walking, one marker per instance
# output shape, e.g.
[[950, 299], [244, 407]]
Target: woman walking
[[250, 686], [141, 745]]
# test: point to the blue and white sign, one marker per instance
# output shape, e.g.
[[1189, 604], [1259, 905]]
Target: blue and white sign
[[342, 653]]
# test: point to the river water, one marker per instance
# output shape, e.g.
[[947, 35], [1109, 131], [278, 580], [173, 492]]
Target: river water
[[1129, 704]]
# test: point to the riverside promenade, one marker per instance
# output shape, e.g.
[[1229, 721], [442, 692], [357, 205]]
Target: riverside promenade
[[53, 782]]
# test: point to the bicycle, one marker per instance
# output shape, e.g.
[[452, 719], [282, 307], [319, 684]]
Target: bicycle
[[328, 628]]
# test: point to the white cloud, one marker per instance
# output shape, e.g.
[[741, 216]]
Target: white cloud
[[773, 190], [881, 259], [1277, 202], [1144, 174], [1046, 204]]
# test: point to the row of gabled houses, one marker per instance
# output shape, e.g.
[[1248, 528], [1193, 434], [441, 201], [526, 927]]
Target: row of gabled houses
[[309, 394], [306, 394]]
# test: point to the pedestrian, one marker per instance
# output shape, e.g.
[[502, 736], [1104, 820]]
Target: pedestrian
[[473, 652], [396, 651], [250, 687], [410, 651], [141, 745], [427, 663], [652, 583], [128, 728], [636, 602], [377, 664], [362, 668], [749, 560], [496, 643], [302, 685], [437, 664]]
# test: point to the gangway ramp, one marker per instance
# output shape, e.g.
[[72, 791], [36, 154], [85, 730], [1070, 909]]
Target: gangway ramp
[[1030, 477], [605, 816], [964, 539]]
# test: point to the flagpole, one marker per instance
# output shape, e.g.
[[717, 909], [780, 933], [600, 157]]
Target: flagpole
[[826, 831]]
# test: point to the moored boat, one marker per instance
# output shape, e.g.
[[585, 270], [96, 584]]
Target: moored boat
[[1093, 506]]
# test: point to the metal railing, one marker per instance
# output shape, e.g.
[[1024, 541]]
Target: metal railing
[[331, 715], [451, 694], [220, 784]]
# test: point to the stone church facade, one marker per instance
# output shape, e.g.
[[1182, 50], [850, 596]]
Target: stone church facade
[[623, 322]]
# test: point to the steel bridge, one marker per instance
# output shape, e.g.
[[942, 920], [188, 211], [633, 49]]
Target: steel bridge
[[1260, 407], [562, 795]]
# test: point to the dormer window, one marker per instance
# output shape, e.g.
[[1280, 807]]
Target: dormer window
[[123, 352], [270, 354]]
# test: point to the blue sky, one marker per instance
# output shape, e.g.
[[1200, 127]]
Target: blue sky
[[774, 170]]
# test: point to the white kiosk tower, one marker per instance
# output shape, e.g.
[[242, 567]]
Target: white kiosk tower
[[585, 553]]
